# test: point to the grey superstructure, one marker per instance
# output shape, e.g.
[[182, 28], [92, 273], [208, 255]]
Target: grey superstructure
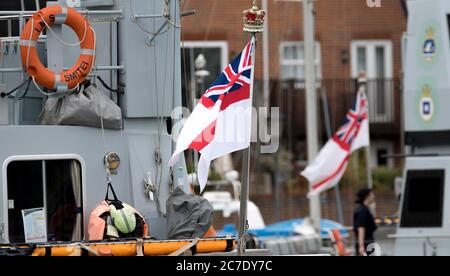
[[130, 52], [424, 227]]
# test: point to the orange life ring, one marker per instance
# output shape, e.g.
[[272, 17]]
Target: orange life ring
[[28, 41]]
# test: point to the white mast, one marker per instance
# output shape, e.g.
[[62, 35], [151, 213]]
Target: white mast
[[311, 101]]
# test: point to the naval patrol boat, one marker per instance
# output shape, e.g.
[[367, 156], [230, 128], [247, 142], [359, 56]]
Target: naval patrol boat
[[50, 167]]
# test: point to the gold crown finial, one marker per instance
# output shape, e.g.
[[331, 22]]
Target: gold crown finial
[[254, 19], [255, 7]]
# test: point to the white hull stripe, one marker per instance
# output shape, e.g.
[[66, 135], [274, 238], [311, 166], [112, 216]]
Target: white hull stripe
[[28, 43], [87, 52], [62, 17]]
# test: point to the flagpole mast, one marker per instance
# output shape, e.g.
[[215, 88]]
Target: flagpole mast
[[311, 102], [337, 192], [253, 23], [362, 83]]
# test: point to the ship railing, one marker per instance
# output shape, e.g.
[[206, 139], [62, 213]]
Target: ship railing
[[9, 16]]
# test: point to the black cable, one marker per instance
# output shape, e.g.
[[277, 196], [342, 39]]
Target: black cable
[[5, 94], [25, 93], [119, 89]]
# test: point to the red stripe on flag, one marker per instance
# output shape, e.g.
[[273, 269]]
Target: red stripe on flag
[[219, 87], [204, 138], [246, 57], [351, 130], [341, 144], [207, 102], [333, 175], [242, 93]]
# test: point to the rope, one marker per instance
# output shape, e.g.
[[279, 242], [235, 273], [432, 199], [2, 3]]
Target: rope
[[148, 183], [93, 68], [102, 125], [7, 94], [54, 93], [160, 119], [161, 116], [136, 22], [171, 179], [190, 104], [27, 89], [210, 20], [118, 90], [62, 41]]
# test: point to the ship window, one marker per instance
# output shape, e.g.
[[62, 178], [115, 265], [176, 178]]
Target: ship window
[[424, 198], [54, 185]]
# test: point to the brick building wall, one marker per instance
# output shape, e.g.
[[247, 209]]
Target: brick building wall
[[338, 22]]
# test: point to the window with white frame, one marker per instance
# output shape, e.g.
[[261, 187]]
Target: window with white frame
[[375, 58], [53, 185], [292, 60], [202, 62]]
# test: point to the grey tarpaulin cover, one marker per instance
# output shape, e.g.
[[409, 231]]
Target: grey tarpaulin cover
[[188, 216], [82, 109]]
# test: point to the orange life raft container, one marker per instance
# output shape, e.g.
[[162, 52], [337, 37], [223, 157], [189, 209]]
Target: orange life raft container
[[48, 17], [131, 248]]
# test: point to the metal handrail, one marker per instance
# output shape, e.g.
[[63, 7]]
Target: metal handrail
[[21, 15], [8, 17], [86, 12], [98, 68], [417, 236]]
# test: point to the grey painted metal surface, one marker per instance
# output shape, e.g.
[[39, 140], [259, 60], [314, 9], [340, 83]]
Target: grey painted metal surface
[[153, 89], [427, 68], [135, 145], [427, 86], [417, 237], [19, 112], [96, 3], [149, 74]]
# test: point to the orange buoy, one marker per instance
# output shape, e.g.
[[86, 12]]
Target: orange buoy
[[48, 17]]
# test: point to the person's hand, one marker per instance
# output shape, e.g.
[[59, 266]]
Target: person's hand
[[362, 250]]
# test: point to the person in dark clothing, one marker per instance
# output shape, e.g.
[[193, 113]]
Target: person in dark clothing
[[364, 222]]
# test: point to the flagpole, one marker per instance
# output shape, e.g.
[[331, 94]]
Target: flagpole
[[245, 187], [243, 222], [362, 83], [253, 23], [337, 191], [312, 138]]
